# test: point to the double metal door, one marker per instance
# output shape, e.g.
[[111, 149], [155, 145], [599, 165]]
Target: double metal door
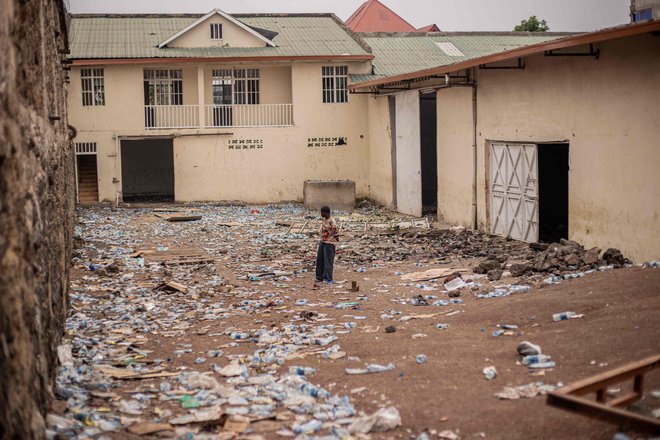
[[514, 191]]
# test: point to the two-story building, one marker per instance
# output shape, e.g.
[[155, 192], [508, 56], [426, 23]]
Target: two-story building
[[217, 107]]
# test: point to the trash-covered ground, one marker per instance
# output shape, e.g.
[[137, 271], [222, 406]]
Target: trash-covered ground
[[214, 328]]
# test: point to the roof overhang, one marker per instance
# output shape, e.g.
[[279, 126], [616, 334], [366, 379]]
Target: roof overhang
[[224, 15], [111, 61], [560, 43]]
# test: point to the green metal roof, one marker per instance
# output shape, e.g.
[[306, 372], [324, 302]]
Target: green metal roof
[[396, 54], [137, 36]]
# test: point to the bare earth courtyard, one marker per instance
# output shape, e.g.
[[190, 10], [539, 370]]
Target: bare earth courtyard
[[241, 307]]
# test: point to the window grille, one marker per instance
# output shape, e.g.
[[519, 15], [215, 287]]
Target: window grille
[[93, 87], [163, 87], [335, 84], [216, 31], [85, 148]]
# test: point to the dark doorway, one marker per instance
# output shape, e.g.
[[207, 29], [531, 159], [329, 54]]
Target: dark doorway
[[428, 129], [553, 192], [147, 170], [88, 184]]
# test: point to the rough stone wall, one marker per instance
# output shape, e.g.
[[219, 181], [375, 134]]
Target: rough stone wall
[[36, 209]]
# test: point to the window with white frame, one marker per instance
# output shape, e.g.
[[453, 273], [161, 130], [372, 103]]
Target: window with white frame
[[216, 31], [335, 84], [235, 86], [163, 87], [93, 87]]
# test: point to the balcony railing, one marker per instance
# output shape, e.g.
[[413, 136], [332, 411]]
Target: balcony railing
[[218, 116], [171, 116], [252, 115]]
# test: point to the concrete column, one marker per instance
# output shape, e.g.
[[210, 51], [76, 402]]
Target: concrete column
[[200, 95]]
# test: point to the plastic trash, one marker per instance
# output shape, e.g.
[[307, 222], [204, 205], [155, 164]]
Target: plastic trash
[[239, 335], [442, 326], [565, 316], [371, 368], [490, 373], [302, 371], [527, 348], [385, 419], [536, 359], [311, 427], [420, 358], [549, 364]]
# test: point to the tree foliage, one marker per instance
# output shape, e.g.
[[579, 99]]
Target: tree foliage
[[532, 24]]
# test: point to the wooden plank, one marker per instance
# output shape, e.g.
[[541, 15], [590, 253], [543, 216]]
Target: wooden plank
[[625, 399], [183, 218], [603, 380], [602, 412]]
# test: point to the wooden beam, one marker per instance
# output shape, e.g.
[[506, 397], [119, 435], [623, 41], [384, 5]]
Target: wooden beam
[[111, 61], [602, 412], [603, 380]]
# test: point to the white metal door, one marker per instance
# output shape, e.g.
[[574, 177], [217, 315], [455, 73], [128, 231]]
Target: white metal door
[[514, 191], [408, 154]]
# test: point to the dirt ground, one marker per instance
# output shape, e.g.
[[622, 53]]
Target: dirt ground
[[446, 393]]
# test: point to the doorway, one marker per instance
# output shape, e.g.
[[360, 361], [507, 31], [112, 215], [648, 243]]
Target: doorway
[[553, 192], [528, 185], [87, 175], [147, 170], [428, 130]]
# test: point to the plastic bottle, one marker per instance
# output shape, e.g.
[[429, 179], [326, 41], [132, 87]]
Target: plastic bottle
[[442, 326], [498, 333], [535, 359], [237, 335], [310, 427], [420, 359], [563, 316], [314, 391], [302, 371]]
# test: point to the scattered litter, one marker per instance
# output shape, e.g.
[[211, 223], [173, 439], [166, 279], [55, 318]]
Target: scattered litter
[[385, 419], [371, 368], [565, 316], [490, 373], [526, 348], [525, 391]]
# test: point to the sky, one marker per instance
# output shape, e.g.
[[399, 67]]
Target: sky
[[449, 15]]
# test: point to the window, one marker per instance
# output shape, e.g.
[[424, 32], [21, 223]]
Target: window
[[235, 86], [216, 31], [643, 15], [335, 84], [163, 87], [93, 87]]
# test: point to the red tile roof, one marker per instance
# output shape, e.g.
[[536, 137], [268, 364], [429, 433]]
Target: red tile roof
[[429, 28], [373, 16]]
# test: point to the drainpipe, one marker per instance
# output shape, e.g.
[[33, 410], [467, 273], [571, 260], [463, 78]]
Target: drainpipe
[[474, 150]]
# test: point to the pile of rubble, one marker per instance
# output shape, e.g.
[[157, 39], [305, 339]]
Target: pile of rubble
[[556, 258]]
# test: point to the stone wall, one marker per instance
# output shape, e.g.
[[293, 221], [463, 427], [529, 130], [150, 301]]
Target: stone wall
[[36, 209]]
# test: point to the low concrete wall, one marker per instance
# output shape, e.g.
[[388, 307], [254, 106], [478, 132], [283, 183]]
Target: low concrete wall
[[337, 194]]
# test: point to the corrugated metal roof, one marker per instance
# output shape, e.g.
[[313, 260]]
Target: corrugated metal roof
[[398, 54], [116, 36]]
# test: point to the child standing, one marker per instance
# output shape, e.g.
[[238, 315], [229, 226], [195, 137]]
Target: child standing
[[325, 256]]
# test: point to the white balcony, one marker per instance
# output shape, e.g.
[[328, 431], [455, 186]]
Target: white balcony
[[158, 117], [171, 116], [253, 115]]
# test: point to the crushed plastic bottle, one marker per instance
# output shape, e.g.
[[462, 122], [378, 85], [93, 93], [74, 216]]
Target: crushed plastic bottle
[[302, 371]]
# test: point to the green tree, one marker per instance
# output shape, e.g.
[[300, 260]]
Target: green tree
[[532, 24]]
